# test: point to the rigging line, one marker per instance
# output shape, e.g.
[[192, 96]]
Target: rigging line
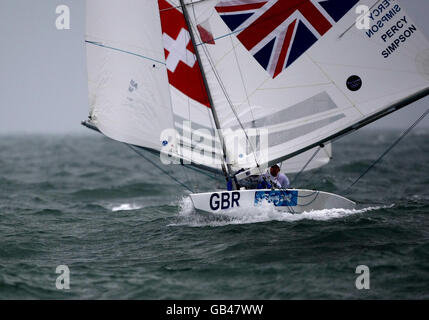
[[306, 165], [190, 167], [223, 87], [226, 168], [311, 201], [406, 132], [308, 195], [191, 26], [187, 177], [353, 127], [220, 37], [180, 6], [164, 171], [123, 51], [291, 211], [242, 79], [219, 80]]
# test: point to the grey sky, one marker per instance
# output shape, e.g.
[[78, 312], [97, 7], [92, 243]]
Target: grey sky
[[43, 73]]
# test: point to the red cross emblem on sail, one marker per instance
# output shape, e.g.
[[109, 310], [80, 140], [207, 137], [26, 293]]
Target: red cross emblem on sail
[[183, 70], [278, 32]]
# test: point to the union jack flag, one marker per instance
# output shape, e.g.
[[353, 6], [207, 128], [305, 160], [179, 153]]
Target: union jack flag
[[278, 32]]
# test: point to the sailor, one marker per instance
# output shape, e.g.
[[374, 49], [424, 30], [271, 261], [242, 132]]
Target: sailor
[[279, 180]]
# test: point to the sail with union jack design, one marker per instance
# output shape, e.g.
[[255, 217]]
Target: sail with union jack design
[[278, 32], [301, 70]]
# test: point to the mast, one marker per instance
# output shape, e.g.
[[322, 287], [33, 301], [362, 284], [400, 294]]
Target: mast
[[226, 168]]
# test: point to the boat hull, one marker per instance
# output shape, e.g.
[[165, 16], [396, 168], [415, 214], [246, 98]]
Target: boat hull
[[290, 200]]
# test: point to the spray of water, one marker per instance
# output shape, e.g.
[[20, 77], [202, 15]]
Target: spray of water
[[266, 212]]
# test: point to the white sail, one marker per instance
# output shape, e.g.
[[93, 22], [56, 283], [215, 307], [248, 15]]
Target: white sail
[[305, 95], [134, 94], [301, 68], [128, 86], [130, 96], [192, 112], [192, 115]]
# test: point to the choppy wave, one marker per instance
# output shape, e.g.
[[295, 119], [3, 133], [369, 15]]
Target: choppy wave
[[126, 207], [127, 230]]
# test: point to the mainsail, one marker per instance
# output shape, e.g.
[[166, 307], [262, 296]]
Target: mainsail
[[141, 84], [300, 71], [133, 94], [128, 87], [303, 70]]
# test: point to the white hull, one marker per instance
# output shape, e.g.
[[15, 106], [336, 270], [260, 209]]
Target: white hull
[[290, 200]]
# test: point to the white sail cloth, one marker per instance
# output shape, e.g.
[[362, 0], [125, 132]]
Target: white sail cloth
[[131, 96], [298, 70], [303, 70], [128, 85]]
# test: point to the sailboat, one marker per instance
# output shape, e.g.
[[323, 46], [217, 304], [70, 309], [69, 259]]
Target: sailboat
[[235, 86]]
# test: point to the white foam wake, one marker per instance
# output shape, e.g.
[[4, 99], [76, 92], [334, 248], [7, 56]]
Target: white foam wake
[[126, 207], [266, 212]]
